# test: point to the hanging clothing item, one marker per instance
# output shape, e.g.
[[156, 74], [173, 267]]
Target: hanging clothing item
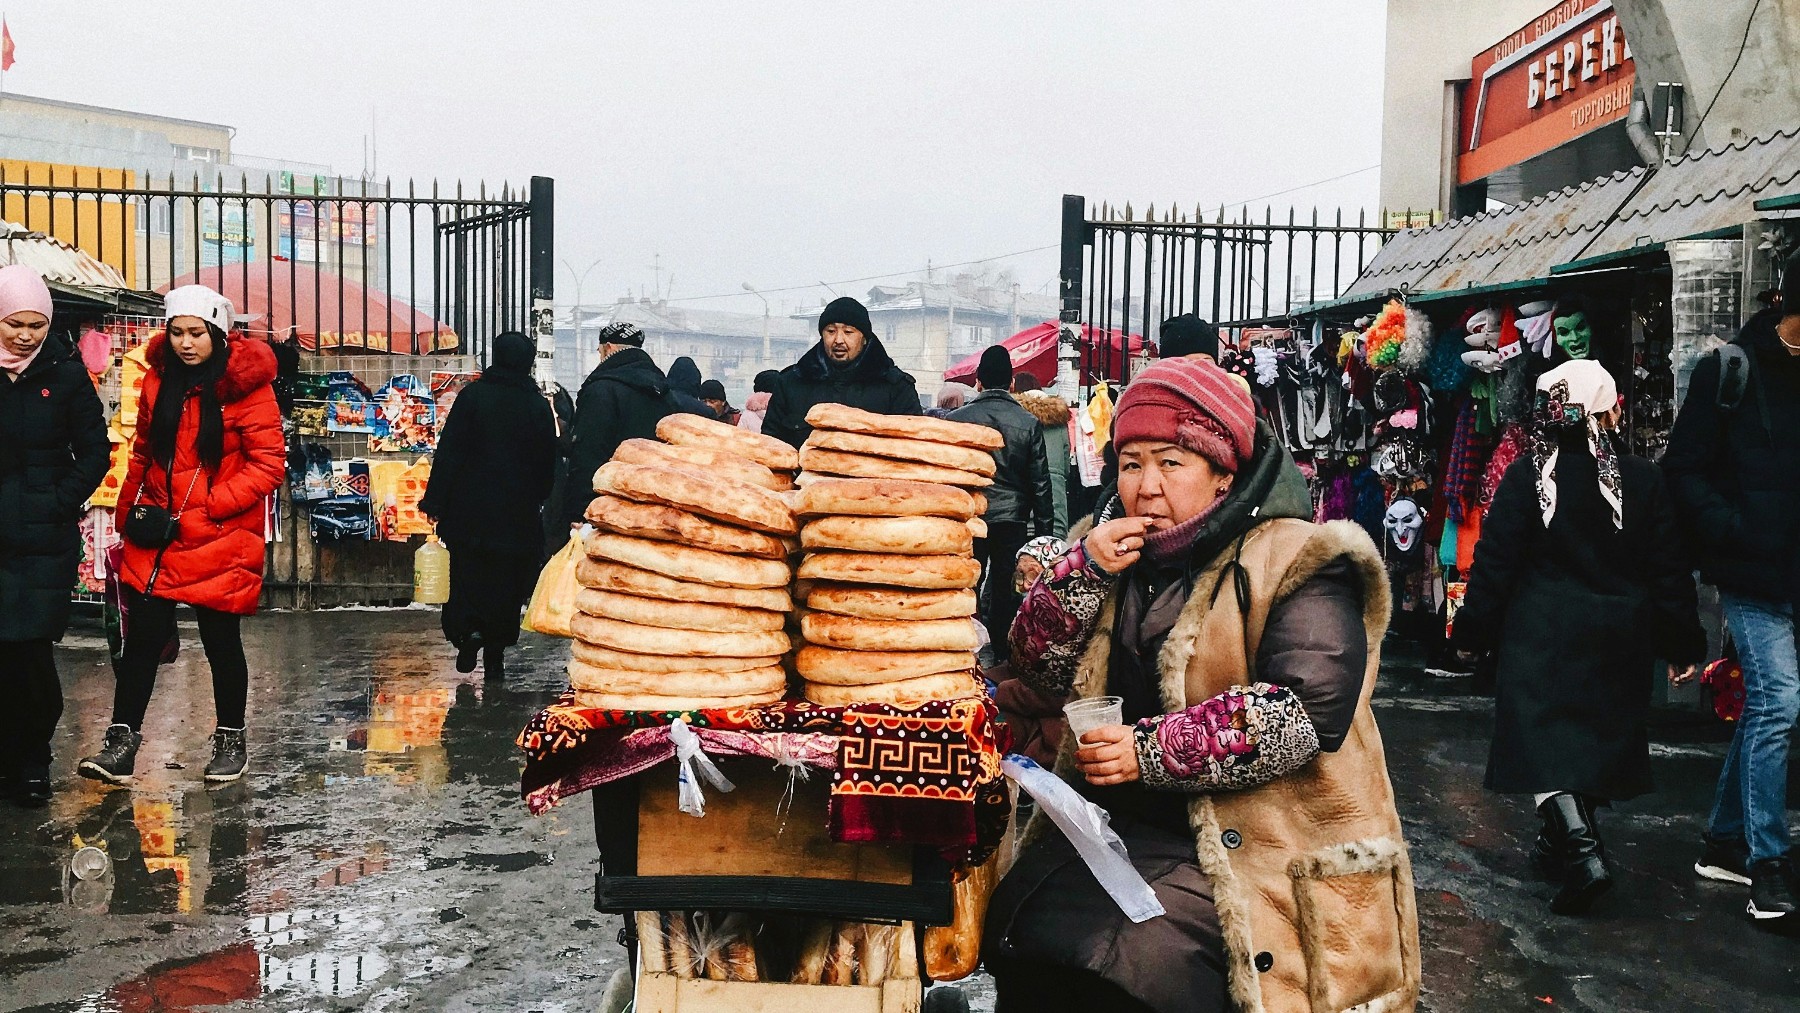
[[1571, 398], [1100, 413]]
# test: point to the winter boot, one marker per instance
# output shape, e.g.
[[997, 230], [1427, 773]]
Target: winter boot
[[494, 660], [1546, 854], [466, 655], [117, 758], [1724, 860], [1584, 874], [1772, 891], [228, 759], [33, 787]]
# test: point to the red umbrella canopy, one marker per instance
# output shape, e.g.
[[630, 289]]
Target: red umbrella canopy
[[324, 310], [1033, 350]]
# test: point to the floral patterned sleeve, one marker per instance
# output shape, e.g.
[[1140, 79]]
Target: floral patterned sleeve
[[1056, 621], [1244, 737]]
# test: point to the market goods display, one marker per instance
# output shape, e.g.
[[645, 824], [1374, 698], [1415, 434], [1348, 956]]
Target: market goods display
[[694, 431], [720, 499], [828, 666], [644, 584], [701, 459], [910, 536], [653, 702], [850, 633], [836, 462], [585, 678], [924, 451], [775, 947], [605, 657], [844, 419], [635, 639], [822, 495], [668, 524], [887, 602], [910, 693], [977, 527], [891, 569], [684, 562], [677, 615]]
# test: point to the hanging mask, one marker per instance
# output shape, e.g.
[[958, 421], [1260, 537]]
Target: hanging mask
[[1574, 336], [1403, 522]]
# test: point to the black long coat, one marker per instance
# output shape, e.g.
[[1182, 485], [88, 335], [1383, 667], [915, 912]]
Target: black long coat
[[53, 454], [872, 382], [622, 399], [493, 469], [1579, 614]]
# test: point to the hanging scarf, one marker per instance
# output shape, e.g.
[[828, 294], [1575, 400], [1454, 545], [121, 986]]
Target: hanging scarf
[[1574, 399]]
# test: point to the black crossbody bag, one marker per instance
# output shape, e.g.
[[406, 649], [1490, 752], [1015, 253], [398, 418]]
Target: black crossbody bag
[[149, 526]]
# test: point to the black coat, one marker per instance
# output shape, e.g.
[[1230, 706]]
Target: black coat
[[622, 399], [1579, 614], [494, 466], [1735, 473], [53, 454], [1021, 490], [872, 382]]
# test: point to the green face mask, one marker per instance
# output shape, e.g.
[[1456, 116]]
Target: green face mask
[[1574, 335]]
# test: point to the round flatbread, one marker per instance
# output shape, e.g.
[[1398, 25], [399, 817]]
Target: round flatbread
[[875, 497], [668, 524], [731, 502], [606, 657], [851, 634], [846, 419], [908, 536], [637, 639], [684, 562], [648, 702], [980, 499], [944, 455], [977, 527], [678, 615], [631, 580], [686, 430], [836, 462], [866, 668], [584, 677], [890, 602], [910, 693], [719, 463], [930, 572]]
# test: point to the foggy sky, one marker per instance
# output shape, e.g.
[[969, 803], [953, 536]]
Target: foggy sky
[[769, 141]]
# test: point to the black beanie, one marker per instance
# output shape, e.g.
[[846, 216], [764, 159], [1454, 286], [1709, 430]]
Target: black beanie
[[1187, 334], [995, 371], [765, 382], [712, 390], [845, 310]]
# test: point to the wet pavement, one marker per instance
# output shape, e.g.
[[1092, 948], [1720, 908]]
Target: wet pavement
[[378, 856]]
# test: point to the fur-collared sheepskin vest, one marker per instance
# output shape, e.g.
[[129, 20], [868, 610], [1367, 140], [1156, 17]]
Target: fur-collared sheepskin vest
[[1310, 873]]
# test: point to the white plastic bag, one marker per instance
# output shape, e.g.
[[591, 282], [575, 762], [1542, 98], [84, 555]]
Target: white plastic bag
[[691, 764], [1088, 827]]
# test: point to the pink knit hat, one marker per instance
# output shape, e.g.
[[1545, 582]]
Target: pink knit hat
[[1193, 404], [21, 288]]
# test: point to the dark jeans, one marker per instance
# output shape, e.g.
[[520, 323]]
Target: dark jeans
[[34, 702], [152, 624], [1751, 801], [998, 554]]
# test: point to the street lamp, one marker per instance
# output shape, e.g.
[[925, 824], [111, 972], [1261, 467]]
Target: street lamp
[[580, 280], [752, 290]]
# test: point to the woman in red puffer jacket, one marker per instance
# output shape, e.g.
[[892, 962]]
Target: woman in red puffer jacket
[[211, 452]]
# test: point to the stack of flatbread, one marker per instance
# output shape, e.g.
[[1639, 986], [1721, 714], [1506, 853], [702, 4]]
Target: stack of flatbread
[[889, 514], [685, 588]]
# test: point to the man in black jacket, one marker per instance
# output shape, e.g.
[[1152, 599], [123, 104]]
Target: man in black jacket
[[623, 398], [1019, 505], [848, 366], [1733, 466]]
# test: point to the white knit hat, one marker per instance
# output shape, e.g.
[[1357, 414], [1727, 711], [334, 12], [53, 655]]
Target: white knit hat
[[199, 301]]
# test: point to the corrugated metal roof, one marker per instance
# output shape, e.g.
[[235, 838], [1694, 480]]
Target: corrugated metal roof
[[54, 259], [1698, 193]]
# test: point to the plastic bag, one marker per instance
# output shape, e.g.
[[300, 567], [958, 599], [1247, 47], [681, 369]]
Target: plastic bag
[[553, 600], [1087, 826]]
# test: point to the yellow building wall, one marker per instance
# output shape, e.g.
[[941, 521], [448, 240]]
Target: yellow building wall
[[105, 228]]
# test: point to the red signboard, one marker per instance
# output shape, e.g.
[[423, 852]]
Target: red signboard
[[1566, 73]]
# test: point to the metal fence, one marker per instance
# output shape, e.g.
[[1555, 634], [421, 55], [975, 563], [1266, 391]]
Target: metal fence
[[1128, 271], [342, 265]]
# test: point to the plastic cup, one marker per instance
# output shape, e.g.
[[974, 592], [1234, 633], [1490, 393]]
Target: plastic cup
[[1086, 715], [89, 862]]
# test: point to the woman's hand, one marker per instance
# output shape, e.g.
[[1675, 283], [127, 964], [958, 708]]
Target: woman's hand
[[1680, 676], [1116, 544], [1108, 755]]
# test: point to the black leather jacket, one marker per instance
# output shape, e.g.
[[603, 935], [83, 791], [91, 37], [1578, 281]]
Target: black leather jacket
[[1021, 489]]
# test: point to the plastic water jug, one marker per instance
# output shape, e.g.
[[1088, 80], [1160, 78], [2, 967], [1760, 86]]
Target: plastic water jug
[[431, 573]]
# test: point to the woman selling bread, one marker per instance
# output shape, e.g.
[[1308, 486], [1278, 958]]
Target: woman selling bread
[[1247, 781]]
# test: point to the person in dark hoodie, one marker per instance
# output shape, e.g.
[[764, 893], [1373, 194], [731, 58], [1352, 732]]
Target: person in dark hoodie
[[684, 383], [622, 399], [848, 366], [494, 467], [1733, 467]]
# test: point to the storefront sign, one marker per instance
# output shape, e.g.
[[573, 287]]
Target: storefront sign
[[1567, 73]]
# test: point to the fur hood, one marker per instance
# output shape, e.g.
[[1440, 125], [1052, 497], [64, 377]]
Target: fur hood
[[1047, 408], [251, 367]]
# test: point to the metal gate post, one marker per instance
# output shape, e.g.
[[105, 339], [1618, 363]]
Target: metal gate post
[[543, 274]]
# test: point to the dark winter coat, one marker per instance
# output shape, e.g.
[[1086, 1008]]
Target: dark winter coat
[[1054, 413], [53, 453], [217, 558], [1021, 490], [1735, 473], [1579, 613], [495, 463], [622, 399], [871, 382], [684, 384]]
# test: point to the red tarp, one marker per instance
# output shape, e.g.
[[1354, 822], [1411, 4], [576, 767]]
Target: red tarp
[[291, 298], [1033, 351]]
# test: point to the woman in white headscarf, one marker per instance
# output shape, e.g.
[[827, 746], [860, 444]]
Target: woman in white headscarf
[[1580, 583]]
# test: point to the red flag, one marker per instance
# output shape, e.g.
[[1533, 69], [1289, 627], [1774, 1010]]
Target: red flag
[[6, 47]]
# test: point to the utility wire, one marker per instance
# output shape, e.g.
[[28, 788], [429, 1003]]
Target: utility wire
[[1743, 45]]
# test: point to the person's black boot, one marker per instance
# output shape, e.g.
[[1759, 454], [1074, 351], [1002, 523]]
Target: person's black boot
[[1772, 890], [1546, 854], [1724, 860], [1584, 875], [494, 661], [467, 655], [33, 787], [117, 758], [228, 756]]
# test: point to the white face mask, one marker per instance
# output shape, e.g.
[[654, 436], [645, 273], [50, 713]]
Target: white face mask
[[1403, 521]]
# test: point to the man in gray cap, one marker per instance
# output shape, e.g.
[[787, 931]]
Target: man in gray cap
[[623, 398]]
